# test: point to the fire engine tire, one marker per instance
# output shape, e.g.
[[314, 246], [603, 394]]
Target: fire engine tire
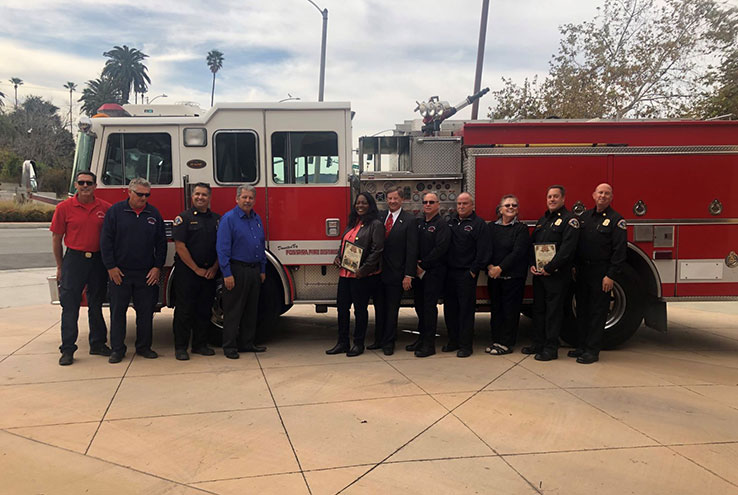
[[625, 316]]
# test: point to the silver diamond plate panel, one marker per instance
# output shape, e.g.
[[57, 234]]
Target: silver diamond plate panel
[[311, 284], [435, 157], [468, 166]]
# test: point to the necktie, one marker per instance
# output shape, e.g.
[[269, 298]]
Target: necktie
[[388, 225]]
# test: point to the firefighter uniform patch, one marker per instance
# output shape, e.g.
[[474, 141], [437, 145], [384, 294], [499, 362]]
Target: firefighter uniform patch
[[557, 222], [178, 220], [623, 224], [606, 222], [574, 223]]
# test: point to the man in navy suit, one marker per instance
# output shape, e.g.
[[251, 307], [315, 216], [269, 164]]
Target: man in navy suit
[[399, 260]]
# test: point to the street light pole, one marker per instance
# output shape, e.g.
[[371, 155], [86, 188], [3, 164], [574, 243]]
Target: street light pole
[[324, 13], [154, 98], [480, 57]]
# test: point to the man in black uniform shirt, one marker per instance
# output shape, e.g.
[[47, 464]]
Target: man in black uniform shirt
[[195, 268], [551, 282], [399, 261], [467, 256], [600, 255], [434, 237]]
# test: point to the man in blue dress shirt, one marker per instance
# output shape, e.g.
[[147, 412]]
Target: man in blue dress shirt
[[242, 259]]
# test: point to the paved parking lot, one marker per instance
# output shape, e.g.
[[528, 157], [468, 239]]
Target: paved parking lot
[[658, 416]]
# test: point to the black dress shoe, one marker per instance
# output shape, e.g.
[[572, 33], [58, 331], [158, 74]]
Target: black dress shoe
[[450, 347], [374, 346], [462, 353], [356, 350], [425, 352], [181, 355], [530, 349], [388, 350], [252, 348], [575, 353], [588, 358], [66, 359], [116, 357], [546, 356], [148, 353], [204, 351], [231, 353], [414, 346], [338, 349], [100, 350]]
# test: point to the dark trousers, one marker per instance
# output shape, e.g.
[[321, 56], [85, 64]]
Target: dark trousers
[[459, 304], [427, 291], [356, 291], [386, 310], [240, 306], [549, 297], [144, 298], [78, 272], [506, 298], [193, 308], [592, 306]]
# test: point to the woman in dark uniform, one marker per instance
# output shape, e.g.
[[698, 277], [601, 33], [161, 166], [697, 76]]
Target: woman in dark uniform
[[356, 285], [507, 271]]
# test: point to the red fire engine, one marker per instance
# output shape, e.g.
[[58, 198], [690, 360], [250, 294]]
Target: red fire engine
[[676, 182]]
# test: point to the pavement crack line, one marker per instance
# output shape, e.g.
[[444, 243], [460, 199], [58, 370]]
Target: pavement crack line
[[284, 426], [449, 412]]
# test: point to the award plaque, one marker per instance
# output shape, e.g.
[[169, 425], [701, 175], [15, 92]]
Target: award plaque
[[545, 252], [351, 257]]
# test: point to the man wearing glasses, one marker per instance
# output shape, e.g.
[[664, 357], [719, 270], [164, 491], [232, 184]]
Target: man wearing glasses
[[434, 238], [134, 247], [78, 221]]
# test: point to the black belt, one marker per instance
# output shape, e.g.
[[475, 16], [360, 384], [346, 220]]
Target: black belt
[[248, 265], [86, 254]]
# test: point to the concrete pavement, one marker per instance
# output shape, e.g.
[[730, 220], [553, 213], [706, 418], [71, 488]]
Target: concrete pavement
[[658, 416]]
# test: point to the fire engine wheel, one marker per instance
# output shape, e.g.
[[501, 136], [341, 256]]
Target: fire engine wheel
[[270, 307], [625, 315]]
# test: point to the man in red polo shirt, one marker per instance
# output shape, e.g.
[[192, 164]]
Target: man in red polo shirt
[[78, 222]]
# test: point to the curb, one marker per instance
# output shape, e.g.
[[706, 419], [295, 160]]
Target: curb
[[24, 225]]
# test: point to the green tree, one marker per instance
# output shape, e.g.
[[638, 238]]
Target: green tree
[[215, 62], [721, 98], [16, 81], [71, 87], [126, 69], [2, 96], [636, 58], [98, 92]]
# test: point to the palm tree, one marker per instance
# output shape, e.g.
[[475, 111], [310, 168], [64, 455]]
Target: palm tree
[[215, 62], [71, 87], [2, 95], [16, 81], [126, 69], [98, 92]]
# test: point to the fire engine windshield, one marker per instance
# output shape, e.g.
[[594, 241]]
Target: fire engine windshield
[[82, 157], [305, 157]]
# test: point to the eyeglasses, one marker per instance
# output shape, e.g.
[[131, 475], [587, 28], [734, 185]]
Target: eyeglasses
[[85, 183], [142, 195], [429, 202], [511, 205]]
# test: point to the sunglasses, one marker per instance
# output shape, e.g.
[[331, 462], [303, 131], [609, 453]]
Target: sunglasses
[[85, 183], [142, 195], [511, 205], [429, 202]]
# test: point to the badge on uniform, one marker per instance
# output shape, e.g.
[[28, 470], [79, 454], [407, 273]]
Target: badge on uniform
[[623, 224], [151, 220], [432, 228], [606, 222], [178, 220], [468, 228], [557, 222], [574, 223]]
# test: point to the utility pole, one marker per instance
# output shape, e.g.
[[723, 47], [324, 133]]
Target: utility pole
[[480, 56]]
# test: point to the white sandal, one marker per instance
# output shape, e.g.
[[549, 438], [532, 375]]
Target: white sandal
[[497, 349]]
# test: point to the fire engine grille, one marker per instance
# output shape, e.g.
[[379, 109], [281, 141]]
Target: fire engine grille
[[602, 150]]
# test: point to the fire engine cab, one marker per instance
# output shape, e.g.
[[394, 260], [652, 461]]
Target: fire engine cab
[[676, 183]]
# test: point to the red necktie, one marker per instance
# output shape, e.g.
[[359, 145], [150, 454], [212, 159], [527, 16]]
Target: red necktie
[[388, 225]]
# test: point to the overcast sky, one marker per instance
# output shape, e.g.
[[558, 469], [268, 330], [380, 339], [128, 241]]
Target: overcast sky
[[382, 55]]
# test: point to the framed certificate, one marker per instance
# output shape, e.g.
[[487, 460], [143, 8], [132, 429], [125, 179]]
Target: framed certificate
[[545, 252], [351, 257]]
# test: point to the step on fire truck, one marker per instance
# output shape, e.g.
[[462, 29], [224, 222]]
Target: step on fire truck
[[676, 182]]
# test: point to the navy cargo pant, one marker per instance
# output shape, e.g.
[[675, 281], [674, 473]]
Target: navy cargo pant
[[144, 298]]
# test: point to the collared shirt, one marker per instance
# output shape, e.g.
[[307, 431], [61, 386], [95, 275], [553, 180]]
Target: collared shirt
[[240, 238], [131, 240], [559, 227], [434, 237], [470, 247], [603, 239], [394, 214], [80, 223], [198, 231]]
